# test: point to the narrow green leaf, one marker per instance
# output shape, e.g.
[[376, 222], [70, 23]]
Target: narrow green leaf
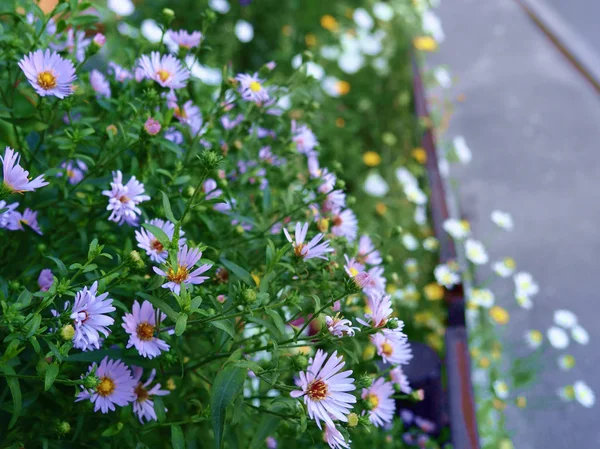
[[158, 233], [161, 305], [177, 438], [33, 325], [181, 324], [167, 207], [267, 425], [225, 325], [62, 269], [228, 384], [15, 391], [277, 320], [51, 373], [238, 271]]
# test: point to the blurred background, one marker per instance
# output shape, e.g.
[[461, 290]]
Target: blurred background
[[532, 120]]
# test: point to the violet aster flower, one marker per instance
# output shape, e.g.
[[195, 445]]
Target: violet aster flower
[[99, 84], [400, 380], [90, 319], [15, 177], [143, 406], [209, 187], [16, 220], [152, 126], [182, 274], [352, 267], [251, 88], [8, 210], [75, 170], [381, 403], [76, 43], [367, 253], [148, 242], [48, 73], [189, 114], [304, 138], [185, 39], [123, 199], [271, 443], [99, 40], [335, 439], [141, 327], [166, 70], [345, 224], [229, 123], [116, 386], [310, 250], [45, 280], [174, 135], [392, 346], [121, 74], [378, 283], [339, 326], [381, 310], [325, 389]]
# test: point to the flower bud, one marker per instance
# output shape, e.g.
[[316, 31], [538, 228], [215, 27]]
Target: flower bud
[[364, 421], [299, 362], [134, 260], [99, 40], [352, 420], [249, 296], [67, 332], [369, 352], [307, 56], [210, 160], [63, 427], [152, 126], [91, 381], [392, 324], [111, 130], [221, 298], [167, 16], [340, 184], [364, 381]]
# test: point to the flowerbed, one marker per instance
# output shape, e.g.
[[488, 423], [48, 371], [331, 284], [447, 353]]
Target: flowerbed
[[186, 267]]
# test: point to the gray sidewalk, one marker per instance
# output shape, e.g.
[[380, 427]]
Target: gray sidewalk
[[533, 124]]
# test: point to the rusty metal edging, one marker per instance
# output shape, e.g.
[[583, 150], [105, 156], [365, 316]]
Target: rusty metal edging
[[463, 424]]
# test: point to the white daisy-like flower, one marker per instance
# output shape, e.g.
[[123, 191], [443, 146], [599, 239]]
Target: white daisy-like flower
[[557, 337], [442, 76], [524, 301], [363, 19], [565, 318], [383, 11], [445, 276], [566, 362], [121, 7], [375, 185], [457, 229], [220, 6], [166, 70], [410, 242], [502, 219], [476, 252], [339, 326], [433, 25], [534, 338], [405, 177], [504, 268], [525, 285], [431, 243], [461, 150], [501, 389], [584, 394], [244, 31], [482, 297], [415, 195], [580, 335], [351, 62]]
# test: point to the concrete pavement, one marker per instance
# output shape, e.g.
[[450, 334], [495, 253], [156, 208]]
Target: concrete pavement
[[533, 125]]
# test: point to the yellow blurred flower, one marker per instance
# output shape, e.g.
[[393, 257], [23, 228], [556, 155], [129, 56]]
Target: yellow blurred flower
[[484, 362], [475, 352], [510, 262], [381, 208], [371, 159], [506, 444], [310, 39], [498, 404], [420, 155], [496, 354], [329, 23], [369, 352], [256, 278], [171, 384], [434, 292], [287, 30], [352, 419], [340, 122], [425, 43], [521, 401], [499, 315], [342, 87]]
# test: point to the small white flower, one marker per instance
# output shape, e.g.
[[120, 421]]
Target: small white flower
[[580, 335], [524, 301], [458, 229], [376, 186], [405, 177], [565, 318], [525, 284], [476, 252], [383, 11], [584, 394], [415, 195], [121, 7], [351, 62], [462, 151], [330, 52], [433, 25], [503, 220], [431, 243], [445, 276], [501, 389], [244, 31], [221, 6], [558, 338], [504, 268], [363, 19], [420, 215], [442, 76], [534, 338], [482, 297], [151, 30], [409, 242], [566, 362]]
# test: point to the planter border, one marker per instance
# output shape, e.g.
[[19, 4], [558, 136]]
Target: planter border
[[462, 412]]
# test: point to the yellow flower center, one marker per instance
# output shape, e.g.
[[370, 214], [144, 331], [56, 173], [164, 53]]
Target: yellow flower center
[[141, 392], [255, 86], [24, 221], [105, 387], [317, 390], [46, 80], [499, 315], [373, 400], [178, 276], [145, 331], [163, 75], [353, 271], [298, 249], [387, 349], [509, 262], [342, 87], [180, 113]]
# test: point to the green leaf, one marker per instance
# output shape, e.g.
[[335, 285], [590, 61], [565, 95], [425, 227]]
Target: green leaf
[[238, 271], [62, 270], [177, 438], [228, 384], [25, 298], [225, 325], [181, 324], [167, 207], [158, 233], [277, 320], [161, 305], [15, 391], [267, 425], [51, 373], [33, 325], [159, 408]]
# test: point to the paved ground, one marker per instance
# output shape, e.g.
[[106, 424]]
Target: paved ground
[[582, 16], [534, 127]]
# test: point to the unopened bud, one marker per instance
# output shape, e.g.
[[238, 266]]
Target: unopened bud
[[67, 332], [152, 126], [99, 40], [364, 381], [249, 296], [168, 15], [111, 130], [352, 420], [63, 427], [134, 260], [299, 362], [91, 381]]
